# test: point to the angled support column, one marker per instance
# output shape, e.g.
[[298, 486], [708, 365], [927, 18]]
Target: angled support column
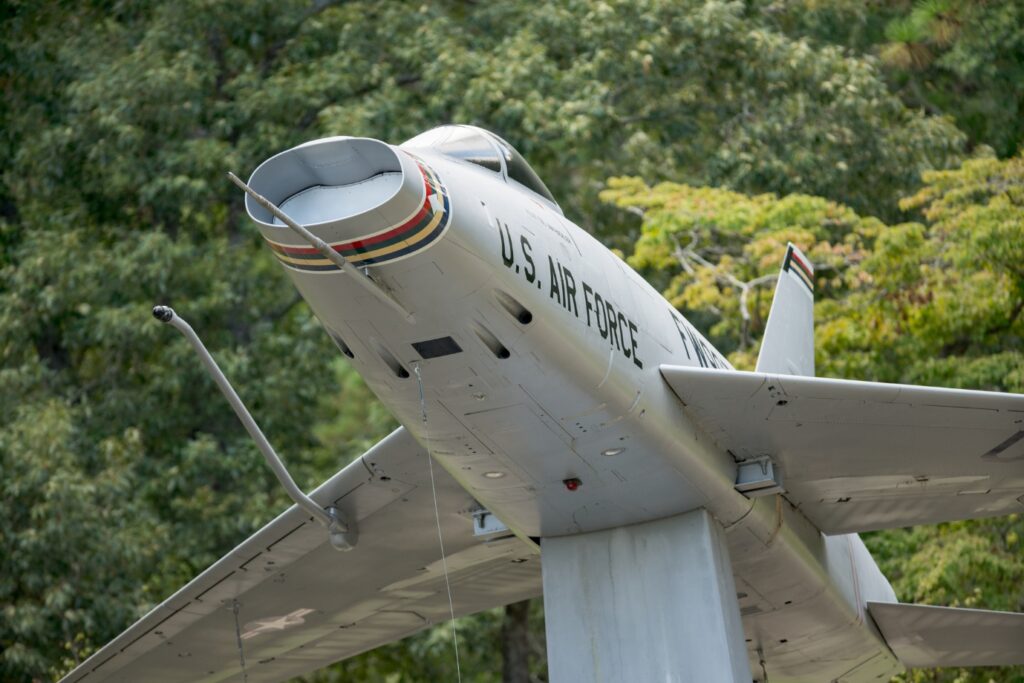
[[648, 602]]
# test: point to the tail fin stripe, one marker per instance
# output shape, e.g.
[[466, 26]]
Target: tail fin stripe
[[803, 271]]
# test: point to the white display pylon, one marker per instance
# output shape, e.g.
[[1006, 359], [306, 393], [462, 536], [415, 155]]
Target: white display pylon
[[647, 602]]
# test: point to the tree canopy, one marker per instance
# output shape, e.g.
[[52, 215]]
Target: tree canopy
[[882, 137]]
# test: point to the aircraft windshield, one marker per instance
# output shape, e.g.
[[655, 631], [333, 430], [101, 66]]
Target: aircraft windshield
[[462, 142], [482, 148], [521, 172]]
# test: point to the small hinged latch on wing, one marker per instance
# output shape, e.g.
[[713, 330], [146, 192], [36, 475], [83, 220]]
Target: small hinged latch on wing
[[759, 477]]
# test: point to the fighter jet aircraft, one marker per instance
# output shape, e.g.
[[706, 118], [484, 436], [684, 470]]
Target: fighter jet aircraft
[[567, 433]]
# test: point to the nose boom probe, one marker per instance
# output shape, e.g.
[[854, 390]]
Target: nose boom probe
[[343, 534]]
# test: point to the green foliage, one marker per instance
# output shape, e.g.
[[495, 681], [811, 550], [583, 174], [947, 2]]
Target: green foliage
[[975, 564], [966, 59], [68, 522], [941, 304], [357, 419], [582, 98], [715, 253], [958, 58]]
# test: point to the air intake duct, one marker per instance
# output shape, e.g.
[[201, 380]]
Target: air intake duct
[[371, 202]]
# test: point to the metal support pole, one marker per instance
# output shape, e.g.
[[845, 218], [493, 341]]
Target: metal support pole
[[361, 278], [343, 535], [648, 602]]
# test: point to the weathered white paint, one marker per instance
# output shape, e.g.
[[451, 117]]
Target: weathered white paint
[[647, 602]]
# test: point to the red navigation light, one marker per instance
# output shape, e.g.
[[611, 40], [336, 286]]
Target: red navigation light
[[572, 483]]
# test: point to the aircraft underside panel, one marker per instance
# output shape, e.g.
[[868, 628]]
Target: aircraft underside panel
[[302, 604]]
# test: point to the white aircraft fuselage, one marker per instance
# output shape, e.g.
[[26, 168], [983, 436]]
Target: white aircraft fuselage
[[538, 351]]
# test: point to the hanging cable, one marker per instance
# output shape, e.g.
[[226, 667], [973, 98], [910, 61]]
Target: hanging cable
[[437, 519]]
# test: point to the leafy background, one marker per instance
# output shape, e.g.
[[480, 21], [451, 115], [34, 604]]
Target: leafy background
[[696, 137]]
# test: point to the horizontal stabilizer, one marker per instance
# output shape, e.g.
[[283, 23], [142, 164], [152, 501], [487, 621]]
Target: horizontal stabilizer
[[858, 456], [923, 636], [301, 604]]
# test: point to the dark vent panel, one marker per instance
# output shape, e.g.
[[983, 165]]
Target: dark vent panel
[[435, 348]]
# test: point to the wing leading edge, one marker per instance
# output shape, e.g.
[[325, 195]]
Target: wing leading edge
[[857, 456], [302, 604]]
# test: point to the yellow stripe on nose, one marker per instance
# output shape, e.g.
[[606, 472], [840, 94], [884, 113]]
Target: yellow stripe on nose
[[415, 239], [383, 251]]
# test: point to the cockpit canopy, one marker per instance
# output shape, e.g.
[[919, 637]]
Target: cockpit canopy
[[483, 148]]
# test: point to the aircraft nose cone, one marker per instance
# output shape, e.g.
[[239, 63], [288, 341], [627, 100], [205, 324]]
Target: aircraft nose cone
[[371, 202]]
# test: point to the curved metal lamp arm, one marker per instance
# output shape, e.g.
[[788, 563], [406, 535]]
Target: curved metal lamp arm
[[343, 535]]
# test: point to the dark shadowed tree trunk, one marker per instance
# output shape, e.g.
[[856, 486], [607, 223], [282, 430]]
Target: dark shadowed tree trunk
[[515, 643]]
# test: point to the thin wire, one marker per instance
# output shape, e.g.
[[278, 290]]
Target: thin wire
[[437, 518], [238, 639]]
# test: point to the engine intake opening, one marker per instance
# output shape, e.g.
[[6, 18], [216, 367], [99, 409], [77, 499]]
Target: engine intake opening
[[335, 179]]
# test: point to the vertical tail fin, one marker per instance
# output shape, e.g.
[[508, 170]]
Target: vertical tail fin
[[788, 344]]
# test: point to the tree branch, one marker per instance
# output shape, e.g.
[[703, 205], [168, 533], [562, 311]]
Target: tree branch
[[688, 255]]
